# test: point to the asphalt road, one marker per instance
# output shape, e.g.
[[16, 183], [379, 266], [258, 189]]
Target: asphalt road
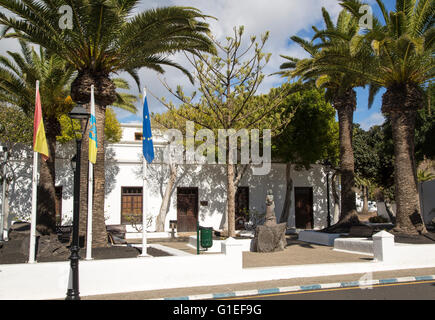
[[422, 290]]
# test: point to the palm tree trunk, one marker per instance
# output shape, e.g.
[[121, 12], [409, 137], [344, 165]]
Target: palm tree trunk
[[99, 232], [105, 94], [347, 161], [365, 193], [401, 104], [46, 208], [288, 194], [345, 106], [84, 171]]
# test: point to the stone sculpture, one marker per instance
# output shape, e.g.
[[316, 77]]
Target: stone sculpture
[[270, 237]]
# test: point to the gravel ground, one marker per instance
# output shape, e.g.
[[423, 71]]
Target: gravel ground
[[10, 253]]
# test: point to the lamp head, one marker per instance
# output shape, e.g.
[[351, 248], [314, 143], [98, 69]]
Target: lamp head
[[74, 163], [79, 113]]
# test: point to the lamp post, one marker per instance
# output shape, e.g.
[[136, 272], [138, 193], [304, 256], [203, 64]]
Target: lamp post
[[327, 165], [3, 150], [78, 113]]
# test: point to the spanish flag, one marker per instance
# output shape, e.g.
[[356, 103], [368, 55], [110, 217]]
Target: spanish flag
[[39, 140], [93, 131]]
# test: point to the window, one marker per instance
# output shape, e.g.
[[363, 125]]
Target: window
[[138, 136], [131, 205]]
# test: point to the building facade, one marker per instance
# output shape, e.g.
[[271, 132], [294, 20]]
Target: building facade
[[199, 193]]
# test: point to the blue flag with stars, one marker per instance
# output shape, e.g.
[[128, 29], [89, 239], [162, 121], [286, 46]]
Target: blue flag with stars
[[147, 137]]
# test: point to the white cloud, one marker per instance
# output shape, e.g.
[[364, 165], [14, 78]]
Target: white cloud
[[372, 120], [282, 18]]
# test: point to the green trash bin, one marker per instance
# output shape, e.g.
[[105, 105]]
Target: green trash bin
[[206, 236]]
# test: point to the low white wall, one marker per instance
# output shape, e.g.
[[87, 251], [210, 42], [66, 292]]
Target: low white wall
[[326, 239], [217, 244], [50, 280], [384, 249], [354, 245]]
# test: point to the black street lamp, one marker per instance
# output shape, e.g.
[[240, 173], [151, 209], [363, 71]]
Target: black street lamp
[[81, 114], [327, 165]]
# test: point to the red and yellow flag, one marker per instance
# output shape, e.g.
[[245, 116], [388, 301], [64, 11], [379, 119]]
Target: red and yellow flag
[[39, 140]]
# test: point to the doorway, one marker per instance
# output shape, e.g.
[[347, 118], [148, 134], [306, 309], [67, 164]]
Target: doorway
[[187, 209], [304, 208], [242, 207]]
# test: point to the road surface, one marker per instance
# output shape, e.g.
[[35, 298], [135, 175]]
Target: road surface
[[418, 290]]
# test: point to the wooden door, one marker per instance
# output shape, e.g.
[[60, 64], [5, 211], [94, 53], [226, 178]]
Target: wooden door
[[304, 207], [242, 207], [187, 209]]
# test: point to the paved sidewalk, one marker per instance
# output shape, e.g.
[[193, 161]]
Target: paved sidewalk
[[221, 290], [296, 253]]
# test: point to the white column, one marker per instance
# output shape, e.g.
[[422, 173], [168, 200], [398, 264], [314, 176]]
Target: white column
[[383, 246], [233, 250]]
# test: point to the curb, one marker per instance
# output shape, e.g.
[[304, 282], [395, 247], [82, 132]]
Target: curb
[[364, 284]]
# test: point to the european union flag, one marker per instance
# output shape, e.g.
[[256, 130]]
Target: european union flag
[[147, 137]]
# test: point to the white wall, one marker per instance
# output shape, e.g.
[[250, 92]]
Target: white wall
[[124, 168], [49, 280]]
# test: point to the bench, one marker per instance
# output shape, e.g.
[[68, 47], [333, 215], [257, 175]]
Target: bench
[[116, 233]]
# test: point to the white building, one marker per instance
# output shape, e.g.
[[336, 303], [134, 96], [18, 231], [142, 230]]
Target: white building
[[199, 193]]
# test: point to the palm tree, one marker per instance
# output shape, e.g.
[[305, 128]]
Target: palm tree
[[334, 40], [18, 75], [402, 61], [107, 37]]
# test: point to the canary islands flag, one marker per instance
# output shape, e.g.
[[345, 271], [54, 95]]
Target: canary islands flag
[[93, 131], [39, 140], [147, 137]]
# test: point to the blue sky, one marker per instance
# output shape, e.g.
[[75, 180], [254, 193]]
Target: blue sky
[[283, 18]]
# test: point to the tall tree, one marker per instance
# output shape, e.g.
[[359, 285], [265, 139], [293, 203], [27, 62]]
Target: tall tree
[[310, 137], [402, 61], [106, 37], [228, 83], [18, 75], [334, 39], [167, 121]]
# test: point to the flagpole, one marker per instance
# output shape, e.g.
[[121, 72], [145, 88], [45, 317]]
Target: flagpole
[[144, 200], [34, 202], [90, 197], [90, 204]]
